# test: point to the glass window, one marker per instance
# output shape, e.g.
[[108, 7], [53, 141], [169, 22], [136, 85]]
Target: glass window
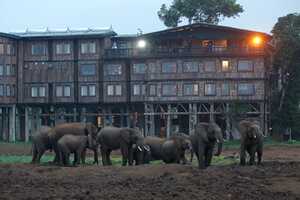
[[118, 90], [169, 90], [92, 47], [113, 69], [210, 66], [152, 90], [1, 70], [42, 92], [34, 91], [139, 68], [190, 67], [136, 90], [191, 89], [88, 69], [59, 91], [63, 48], [8, 92], [225, 65], [225, 89], [1, 90], [10, 49], [67, 91], [246, 89], [169, 67], [1, 48], [143, 89], [83, 90], [92, 90], [38, 49], [8, 70], [88, 47], [110, 90], [245, 65], [210, 89]]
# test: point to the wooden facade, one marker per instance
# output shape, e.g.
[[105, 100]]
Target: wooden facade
[[182, 75]]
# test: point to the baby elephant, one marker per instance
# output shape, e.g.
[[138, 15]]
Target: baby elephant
[[251, 141], [68, 144], [140, 154]]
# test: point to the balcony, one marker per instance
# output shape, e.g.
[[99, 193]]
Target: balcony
[[182, 52]]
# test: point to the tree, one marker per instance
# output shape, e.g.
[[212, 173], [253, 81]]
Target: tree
[[206, 11], [286, 67]]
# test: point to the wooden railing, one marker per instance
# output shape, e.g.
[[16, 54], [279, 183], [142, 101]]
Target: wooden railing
[[175, 52]]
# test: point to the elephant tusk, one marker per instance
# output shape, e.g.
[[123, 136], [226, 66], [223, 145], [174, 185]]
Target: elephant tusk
[[218, 141], [139, 148], [146, 148]]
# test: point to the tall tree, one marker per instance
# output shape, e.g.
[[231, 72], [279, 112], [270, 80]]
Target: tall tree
[[206, 11], [286, 67]]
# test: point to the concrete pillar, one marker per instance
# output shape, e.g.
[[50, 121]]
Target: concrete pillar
[[74, 114], [263, 117], [149, 120], [192, 117], [169, 121], [211, 112], [27, 123], [228, 128], [12, 124]]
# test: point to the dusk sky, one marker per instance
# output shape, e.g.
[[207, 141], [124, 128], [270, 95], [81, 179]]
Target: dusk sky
[[125, 16]]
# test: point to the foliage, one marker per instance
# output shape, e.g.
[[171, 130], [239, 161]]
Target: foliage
[[286, 67], [195, 11]]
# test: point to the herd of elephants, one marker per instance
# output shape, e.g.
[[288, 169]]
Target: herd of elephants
[[68, 138]]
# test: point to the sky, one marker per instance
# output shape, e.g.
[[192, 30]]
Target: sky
[[125, 16]]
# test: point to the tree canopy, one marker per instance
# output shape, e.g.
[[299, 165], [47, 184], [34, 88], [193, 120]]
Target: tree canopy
[[286, 68], [206, 11]]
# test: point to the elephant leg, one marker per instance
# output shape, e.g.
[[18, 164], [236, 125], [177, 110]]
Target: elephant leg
[[208, 156], [242, 154], [57, 158], [132, 157], [76, 158], [108, 157], [251, 151], [200, 156], [192, 155], [82, 155], [96, 156], [124, 152], [39, 155], [259, 154], [34, 154], [103, 156]]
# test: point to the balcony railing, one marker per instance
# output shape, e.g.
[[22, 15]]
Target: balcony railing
[[176, 52]]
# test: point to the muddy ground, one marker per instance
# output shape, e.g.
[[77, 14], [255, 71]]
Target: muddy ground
[[278, 178]]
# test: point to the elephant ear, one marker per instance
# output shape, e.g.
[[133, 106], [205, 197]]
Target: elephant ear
[[126, 135], [90, 129]]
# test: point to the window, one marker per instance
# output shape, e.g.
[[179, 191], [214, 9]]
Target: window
[[225, 90], [139, 68], [88, 47], [88, 70], [113, 69], [8, 91], [152, 90], [67, 91], [42, 92], [34, 91], [1, 90], [84, 90], [190, 89], [169, 90], [63, 48], [59, 91], [169, 67], [136, 90], [1, 70], [245, 66], [246, 89], [10, 70], [38, 49], [110, 90], [210, 66], [225, 65], [92, 90], [10, 49], [190, 67], [1, 48], [118, 90], [210, 89]]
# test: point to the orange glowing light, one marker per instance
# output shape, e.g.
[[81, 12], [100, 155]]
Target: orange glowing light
[[257, 40]]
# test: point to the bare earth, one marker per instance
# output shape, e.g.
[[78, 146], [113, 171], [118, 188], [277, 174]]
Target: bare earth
[[278, 179]]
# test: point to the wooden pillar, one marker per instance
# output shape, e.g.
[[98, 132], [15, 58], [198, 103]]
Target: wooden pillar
[[169, 121], [12, 124], [211, 113]]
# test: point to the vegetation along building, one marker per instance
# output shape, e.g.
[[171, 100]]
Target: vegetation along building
[[161, 82]]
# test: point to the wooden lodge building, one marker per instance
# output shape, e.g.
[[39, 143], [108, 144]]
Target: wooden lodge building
[[161, 82]]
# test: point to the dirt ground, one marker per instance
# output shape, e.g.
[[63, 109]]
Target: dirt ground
[[278, 178]]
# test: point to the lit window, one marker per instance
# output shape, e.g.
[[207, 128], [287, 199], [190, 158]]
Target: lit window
[[88, 69], [190, 89], [210, 89], [59, 91], [246, 89], [84, 91], [42, 91], [169, 67], [34, 91], [245, 65], [118, 90], [169, 89], [209, 66], [225, 90], [225, 65], [110, 90]]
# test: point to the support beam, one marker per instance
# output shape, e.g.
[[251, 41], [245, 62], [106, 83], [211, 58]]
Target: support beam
[[192, 117], [169, 121], [211, 112], [12, 124], [27, 123], [228, 128]]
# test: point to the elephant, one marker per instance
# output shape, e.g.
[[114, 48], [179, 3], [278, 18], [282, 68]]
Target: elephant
[[40, 143], [76, 144], [251, 141], [170, 150], [75, 128], [203, 140], [113, 138], [140, 154]]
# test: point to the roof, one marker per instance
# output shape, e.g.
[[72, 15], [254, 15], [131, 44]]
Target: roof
[[7, 35], [67, 32]]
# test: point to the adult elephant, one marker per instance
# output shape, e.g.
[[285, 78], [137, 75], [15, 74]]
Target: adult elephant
[[140, 154], [203, 140], [40, 143], [251, 141], [75, 128], [113, 138]]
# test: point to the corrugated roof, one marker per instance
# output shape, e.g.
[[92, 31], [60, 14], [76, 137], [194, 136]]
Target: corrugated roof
[[66, 32]]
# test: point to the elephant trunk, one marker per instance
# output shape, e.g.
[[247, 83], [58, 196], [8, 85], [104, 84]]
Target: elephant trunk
[[219, 151]]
